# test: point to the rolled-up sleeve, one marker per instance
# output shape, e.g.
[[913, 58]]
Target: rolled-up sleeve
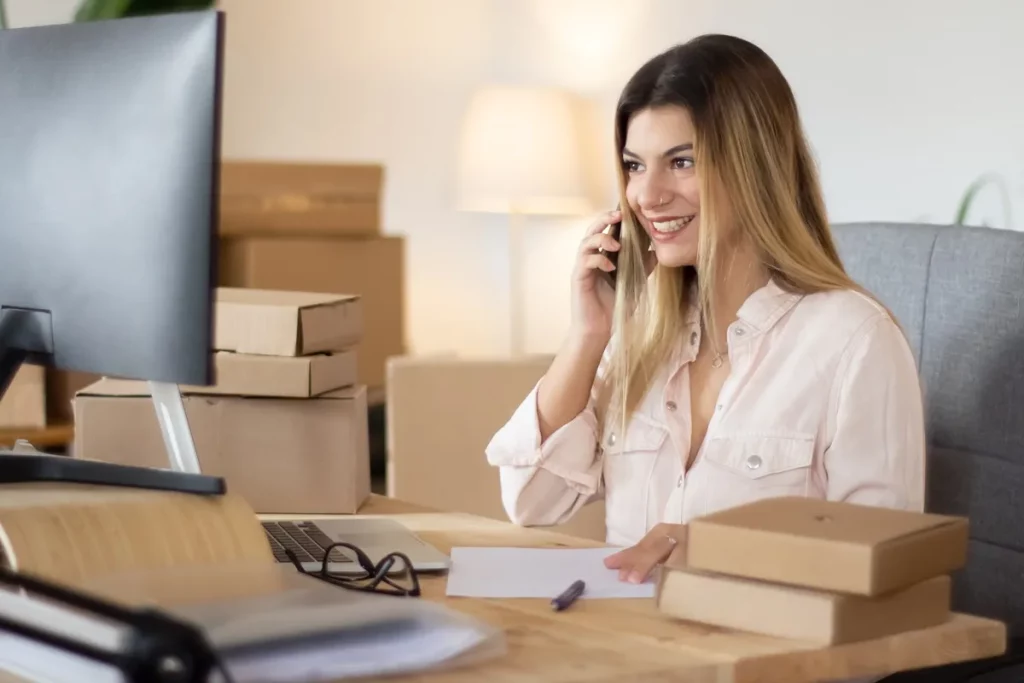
[[544, 484], [876, 453]]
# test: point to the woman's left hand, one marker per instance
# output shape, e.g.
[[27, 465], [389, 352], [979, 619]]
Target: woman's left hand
[[635, 564]]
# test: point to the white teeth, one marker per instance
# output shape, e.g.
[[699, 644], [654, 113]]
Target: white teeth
[[672, 226]]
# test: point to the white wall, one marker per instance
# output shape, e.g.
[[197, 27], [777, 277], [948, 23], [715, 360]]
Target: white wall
[[905, 104]]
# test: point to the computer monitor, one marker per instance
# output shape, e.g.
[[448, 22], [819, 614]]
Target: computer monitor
[[109, 149]]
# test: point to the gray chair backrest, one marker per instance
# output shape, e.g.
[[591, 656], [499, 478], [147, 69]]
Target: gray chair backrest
[[957, 291]]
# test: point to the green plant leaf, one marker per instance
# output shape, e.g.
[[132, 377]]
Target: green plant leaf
[[92, 10], [972, 191], [137, 7], [3, 15], [95, 10]]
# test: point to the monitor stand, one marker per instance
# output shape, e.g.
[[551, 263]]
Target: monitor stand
[[24, 334]]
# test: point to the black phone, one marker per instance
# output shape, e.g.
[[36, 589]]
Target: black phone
[[615, 230]]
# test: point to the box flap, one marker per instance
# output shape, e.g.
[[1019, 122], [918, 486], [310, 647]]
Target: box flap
[[269, 297], [860, 525]]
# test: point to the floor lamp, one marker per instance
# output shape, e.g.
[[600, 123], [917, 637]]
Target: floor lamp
[[519, 154]]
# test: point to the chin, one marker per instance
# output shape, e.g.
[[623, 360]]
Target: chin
[[676, 255]]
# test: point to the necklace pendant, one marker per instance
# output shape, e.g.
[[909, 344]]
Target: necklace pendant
[[717, 362]]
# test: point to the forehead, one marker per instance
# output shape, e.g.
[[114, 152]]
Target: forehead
[[652, 131]]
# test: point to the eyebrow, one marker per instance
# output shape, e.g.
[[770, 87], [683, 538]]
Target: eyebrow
[[685, 147]]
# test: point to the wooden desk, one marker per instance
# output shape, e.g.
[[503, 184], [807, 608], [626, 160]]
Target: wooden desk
[[616, 640]]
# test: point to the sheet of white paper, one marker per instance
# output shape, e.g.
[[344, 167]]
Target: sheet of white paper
[[537, 573]]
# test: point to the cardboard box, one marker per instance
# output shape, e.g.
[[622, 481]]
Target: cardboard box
[[285, 323], [237, 374], [283, 455], [260, 198], [24, 403], [827, 545], [782, 611], [441, 413], [61, 386], [372, 269]]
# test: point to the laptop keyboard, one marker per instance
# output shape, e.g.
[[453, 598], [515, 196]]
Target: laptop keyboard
[[302, 538]]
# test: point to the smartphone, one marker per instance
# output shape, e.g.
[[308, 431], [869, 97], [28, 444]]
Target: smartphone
[[615, 230]]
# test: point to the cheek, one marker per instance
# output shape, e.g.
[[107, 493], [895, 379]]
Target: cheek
[[689, 189]]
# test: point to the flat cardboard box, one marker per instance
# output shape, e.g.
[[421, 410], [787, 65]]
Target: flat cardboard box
[[823, 617], [283, 455], [442, 410], [372, 269], [239, 374], [290, 198], [285, 323], [23, 405], [827, 545]]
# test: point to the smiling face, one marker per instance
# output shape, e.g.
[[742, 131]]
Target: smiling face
[[662, 186]]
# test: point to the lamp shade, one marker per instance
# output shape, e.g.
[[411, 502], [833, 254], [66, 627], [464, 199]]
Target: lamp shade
[[519, 152]]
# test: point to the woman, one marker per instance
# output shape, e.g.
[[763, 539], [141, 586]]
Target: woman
[[734, 359]]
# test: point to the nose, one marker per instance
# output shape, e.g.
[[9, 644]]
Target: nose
[[653, 191]]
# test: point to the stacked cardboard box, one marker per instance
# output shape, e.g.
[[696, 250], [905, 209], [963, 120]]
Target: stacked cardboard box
[[317, 228], [285, 421], [815, 570], [23, 405]]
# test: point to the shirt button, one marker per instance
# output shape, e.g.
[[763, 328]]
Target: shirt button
[[671, 405], [611, 439], [753, 462], [679, 484], [740, 332], [693, 339], [718, 407]]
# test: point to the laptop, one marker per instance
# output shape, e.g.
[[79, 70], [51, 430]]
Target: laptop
[[376, 537]]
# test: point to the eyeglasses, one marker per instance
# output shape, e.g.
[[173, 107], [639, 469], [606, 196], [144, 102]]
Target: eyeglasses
[[393, 575]]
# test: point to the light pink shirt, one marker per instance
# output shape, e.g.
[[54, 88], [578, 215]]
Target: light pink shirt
[[823, 400]]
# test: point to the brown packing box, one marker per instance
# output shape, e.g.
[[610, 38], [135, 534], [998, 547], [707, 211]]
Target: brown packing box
[[61, 386], [372, 269], [300, 198], [285, 323], [239, 374], [828, 545], [823, 617], [24, 403], [442, 412], [283, 455]]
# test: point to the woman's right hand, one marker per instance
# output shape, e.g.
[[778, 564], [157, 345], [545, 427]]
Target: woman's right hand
[[593, 298]]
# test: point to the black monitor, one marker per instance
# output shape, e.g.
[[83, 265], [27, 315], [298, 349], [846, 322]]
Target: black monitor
[[109, 167]]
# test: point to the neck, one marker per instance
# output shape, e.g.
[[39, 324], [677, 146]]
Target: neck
[[741, 275]]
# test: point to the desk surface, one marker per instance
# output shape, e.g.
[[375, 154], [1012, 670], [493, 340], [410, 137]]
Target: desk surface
[[614, 640]]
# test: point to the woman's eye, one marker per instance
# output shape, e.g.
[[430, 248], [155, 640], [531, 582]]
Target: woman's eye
[[682, 163], [630, 166]]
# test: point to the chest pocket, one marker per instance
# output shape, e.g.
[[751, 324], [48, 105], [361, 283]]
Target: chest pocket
[[643, 435], [744, 468], [628, 466]]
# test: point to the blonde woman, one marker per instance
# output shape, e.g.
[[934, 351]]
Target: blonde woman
[[734, 359]]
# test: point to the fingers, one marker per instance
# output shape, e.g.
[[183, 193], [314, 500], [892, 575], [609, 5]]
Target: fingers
[[636, 564], [599, 241], [603, 221], [614, 561], [597, 262]]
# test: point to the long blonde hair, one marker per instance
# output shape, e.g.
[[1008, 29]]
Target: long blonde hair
[[750, 156]]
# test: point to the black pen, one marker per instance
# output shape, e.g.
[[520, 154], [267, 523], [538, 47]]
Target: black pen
[[569, 596]]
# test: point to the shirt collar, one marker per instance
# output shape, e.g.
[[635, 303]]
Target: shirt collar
[[762, 309], [766, 306]]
